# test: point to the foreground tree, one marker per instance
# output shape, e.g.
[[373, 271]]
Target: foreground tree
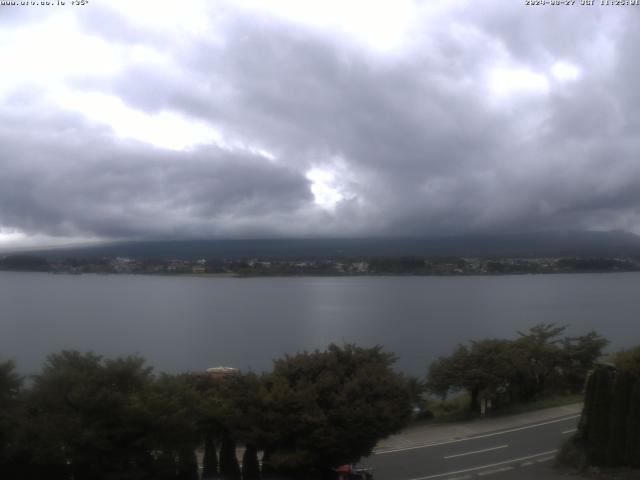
[[609, 429], [327, 408], [229, 467], [580, 354], [629, 361], [90, 418], [632, 450], [541, 348], [10, 384], [598, 433], [210, 459], [250, 464], [537, 363], [84, 415], [618, 418], [485, 369], [229, 413], [187, 465]]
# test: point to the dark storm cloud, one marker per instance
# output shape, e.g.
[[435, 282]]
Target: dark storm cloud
[[419, 140], [62, 176], [308, 100]]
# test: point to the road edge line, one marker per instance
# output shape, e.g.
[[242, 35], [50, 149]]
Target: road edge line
[[485, 466], [466, 439]]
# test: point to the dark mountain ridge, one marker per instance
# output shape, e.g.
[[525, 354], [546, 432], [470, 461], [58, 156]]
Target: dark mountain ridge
[[544, 244]]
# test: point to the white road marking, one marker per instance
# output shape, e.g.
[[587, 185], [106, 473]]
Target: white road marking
[[481, 467], [477, 451], [570, 431], [448, 442], [494, 471], [545, 459]]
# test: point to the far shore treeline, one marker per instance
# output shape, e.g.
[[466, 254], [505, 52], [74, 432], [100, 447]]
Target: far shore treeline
[[330, 266], [85, 417]]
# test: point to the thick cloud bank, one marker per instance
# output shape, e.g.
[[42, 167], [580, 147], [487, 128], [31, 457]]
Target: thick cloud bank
[[232, 120]]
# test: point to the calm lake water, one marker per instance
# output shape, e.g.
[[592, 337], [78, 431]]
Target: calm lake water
[[185, 323]]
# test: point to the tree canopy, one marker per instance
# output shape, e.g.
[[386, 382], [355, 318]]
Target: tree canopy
[[536, 363], [609, 429], [85, 417], [331, 407]]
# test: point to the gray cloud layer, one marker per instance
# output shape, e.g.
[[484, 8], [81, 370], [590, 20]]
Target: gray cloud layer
[[417, 142]]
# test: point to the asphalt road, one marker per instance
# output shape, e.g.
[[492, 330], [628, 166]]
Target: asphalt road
[[514, 453]]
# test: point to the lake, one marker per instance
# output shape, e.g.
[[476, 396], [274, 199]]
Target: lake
[[187, 323]]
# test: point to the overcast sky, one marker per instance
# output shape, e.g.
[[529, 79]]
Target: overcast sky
[[231, 119]]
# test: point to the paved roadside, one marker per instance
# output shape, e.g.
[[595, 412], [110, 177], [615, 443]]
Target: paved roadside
[[416, 436]]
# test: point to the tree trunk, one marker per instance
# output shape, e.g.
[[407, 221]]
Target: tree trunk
[[210, 460], [229, 468], [188, 465], [598, 436], [250, 465], [618, 420], [474, 406], [268, 472], [633, 428]]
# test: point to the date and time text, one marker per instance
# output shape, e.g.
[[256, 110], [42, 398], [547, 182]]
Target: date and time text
[[583, 3]]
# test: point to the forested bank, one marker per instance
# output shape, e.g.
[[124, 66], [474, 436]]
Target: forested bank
[[87, 417], [496, 373]]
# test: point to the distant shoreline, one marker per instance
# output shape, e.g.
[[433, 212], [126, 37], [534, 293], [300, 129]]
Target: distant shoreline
[[323, 275]]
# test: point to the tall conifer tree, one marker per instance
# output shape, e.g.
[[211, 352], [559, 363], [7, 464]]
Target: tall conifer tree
[[250, 466], [210, 459], [618, 418]]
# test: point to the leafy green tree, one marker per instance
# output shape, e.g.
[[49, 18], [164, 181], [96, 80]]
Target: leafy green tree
[[555, 364], [537, 363], [447, 374], [541, 349], [580, 354], [240, 408], [230, 412], [486, 368], [417, 388], [94, 418], [84, 414], [628, 360], [169, 408], [10, 383], [327, 408]]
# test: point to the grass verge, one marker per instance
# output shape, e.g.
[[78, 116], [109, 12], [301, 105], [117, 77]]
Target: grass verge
[[456, 409]]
